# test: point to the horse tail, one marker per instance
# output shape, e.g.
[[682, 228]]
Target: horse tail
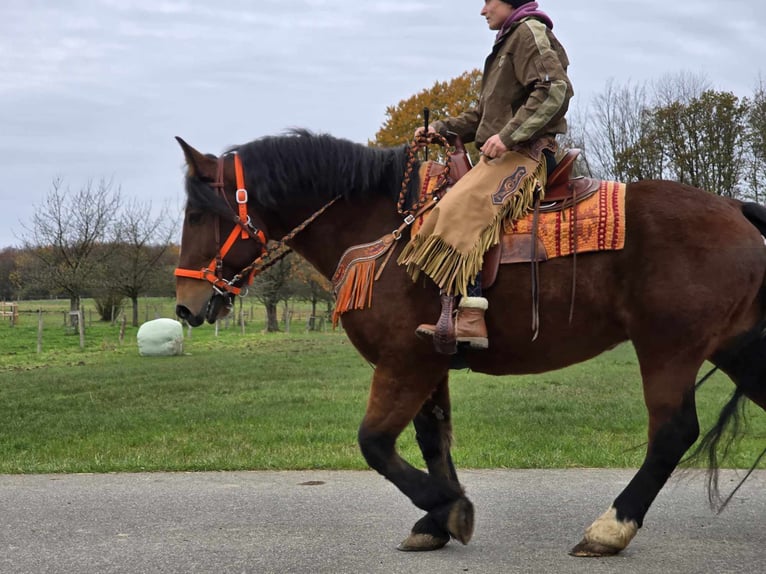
[[755, 214], [717, 442], [745, 363]]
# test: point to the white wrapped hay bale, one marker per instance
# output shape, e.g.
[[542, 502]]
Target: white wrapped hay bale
[[160, 338]]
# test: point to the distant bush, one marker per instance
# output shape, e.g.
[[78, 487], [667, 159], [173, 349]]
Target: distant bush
[[109, 306]]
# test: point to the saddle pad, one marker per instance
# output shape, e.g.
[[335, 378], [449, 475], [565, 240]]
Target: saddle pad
[[600, 224]]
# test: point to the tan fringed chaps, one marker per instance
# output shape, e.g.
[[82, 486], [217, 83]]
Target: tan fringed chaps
[[468, 220]]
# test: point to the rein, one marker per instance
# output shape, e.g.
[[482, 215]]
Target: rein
[[279, 250], [420, 142], [355, 273]]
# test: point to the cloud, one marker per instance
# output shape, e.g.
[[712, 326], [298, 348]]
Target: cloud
[[92, 88]]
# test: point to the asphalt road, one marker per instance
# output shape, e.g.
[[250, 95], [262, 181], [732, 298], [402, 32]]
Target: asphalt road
[[350, 522]]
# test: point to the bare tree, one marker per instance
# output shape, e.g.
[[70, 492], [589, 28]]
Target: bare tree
[[271, 288], [619, 136], [310, 285], [142, 240], [576, 137], [681, 87], [66, 237]]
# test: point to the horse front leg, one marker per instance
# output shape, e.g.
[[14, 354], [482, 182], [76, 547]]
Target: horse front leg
[[673, 428], [433, 431], [394, 402]]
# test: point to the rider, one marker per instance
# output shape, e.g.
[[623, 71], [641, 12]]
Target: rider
[[525, 93]]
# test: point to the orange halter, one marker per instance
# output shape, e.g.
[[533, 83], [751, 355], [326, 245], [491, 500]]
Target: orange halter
[[244, 229]]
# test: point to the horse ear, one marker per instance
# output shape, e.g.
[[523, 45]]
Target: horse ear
[[200, 165]]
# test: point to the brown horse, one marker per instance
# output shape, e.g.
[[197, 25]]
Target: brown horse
[[687, 287]]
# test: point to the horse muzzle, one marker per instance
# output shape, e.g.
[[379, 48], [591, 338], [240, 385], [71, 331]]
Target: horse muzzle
[[198, 301], [217, 305], [183, 312]]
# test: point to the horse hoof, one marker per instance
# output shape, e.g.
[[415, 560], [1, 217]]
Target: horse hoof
[[593, 549], [460, 520], [422, 543]]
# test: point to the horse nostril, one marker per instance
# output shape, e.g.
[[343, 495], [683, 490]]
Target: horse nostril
[[183, 312]]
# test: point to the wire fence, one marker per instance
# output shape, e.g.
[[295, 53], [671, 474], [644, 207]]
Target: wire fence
[[42, 325]]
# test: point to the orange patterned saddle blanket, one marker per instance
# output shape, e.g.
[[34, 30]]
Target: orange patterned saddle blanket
[[594, 224]]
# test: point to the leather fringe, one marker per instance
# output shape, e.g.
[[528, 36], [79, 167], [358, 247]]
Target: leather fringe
[[453, 270], [355, 292]]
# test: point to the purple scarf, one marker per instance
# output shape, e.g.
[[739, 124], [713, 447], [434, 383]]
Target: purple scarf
[[524, 11]]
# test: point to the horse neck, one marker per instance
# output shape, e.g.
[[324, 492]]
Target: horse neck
[[344, 225]]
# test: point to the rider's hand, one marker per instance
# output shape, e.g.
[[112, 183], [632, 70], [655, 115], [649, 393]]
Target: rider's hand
[[421, 130], [493, 147]]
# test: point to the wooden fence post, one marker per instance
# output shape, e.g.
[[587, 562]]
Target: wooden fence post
[[39, 331], [8, 310], [81, 326], [123, 322]]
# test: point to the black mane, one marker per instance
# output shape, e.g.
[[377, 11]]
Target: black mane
[[292, 169]]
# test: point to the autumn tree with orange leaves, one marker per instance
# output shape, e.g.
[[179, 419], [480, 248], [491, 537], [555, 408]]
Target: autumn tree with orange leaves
[[443, 99]]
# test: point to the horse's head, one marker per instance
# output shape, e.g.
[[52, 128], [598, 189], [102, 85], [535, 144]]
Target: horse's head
[[221, 240], [294, 180]]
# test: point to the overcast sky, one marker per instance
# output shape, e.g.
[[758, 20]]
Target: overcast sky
[[93, 89]]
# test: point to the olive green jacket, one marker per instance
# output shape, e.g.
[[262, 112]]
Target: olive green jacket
[[525, 89]]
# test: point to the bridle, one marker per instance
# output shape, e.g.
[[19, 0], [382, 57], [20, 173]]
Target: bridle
[[243, 230], [268, 255]]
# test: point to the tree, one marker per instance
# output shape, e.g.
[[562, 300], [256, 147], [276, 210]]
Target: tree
[[679, 87], [443, 99], [22, 278], [685, 131], [755, 141], [141, 243], [108, 305], [8, 263], [576, 137], [704, 140], [620, 135], [65, 237], [310, 285], [271, 287]]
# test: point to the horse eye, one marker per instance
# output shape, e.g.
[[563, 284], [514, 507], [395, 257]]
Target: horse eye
[[194, 218]]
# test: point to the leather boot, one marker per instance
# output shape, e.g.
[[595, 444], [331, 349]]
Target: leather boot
[[469, 323]]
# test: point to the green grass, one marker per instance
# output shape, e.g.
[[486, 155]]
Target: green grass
[[294, 401]]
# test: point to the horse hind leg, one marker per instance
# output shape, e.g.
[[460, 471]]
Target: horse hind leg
[[394, 402], [433, 431], [673, 428]]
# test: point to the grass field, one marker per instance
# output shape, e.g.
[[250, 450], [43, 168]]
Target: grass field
[[293, 401]]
